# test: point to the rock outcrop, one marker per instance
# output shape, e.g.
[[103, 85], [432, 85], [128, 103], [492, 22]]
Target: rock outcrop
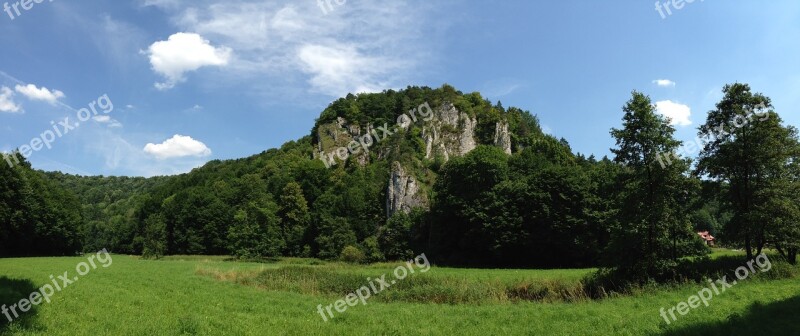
[[336, 135], [502, 138], [449, 133], [403, 193]]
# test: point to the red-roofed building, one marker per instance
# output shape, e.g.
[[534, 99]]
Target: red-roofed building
[[707, 237]]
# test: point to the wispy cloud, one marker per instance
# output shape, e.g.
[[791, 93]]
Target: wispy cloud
[[355, 48], [104, 119], [499, 88]]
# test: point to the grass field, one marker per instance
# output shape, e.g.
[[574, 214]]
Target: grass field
[[212, 296]]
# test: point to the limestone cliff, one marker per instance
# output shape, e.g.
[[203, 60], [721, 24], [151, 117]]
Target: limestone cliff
[[449, 133], [403, 193], [502, 138]]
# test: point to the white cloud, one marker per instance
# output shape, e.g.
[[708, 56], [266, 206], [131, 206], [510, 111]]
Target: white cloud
[[194, 109], [43, 94], [678, 114], [182, 53], [7, 103], [338, 71], [177, 146], [104, 119], [664, 83], [121, 157], [353, 48]]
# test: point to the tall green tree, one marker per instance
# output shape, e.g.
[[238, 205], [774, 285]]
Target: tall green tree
[[778, 203], [651, 219], [749, 150], [295, 218]]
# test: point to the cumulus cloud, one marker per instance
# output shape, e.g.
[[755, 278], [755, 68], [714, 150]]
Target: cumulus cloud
[[677, 113], [352, 49], [7, 103], [182, 53], [33, 93], [664, 83], [177, 146]]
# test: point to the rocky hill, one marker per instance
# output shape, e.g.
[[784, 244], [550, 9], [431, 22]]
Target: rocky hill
[[377, 174], [440, 133]]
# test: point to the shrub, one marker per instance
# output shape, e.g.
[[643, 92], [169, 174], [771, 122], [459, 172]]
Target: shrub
[[353, 255]]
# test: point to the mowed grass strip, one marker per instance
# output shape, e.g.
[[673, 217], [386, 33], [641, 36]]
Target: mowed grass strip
[[169, 297]]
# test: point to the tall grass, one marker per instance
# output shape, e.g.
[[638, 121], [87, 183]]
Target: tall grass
[[614, 282], [338, 280], [168, 297], [419, 288]]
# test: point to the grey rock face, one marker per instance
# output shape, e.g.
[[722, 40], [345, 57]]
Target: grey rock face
[[403, 193], [502, 138], [449, 133]]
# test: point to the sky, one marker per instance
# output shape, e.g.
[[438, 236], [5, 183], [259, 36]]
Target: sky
[[159, 87]]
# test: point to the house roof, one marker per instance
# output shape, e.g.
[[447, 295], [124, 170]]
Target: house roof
[[706, 236]]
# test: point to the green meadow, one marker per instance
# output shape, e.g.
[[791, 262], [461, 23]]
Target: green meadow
[[189, 295]]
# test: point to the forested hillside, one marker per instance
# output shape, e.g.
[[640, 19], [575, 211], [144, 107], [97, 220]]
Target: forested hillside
[[108, 205], [453, 175], [37, 216]]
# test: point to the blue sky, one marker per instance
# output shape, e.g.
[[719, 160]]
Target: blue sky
[[193, 81]]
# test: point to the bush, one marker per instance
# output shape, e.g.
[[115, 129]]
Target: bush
[[610, 282], [353, 255], [373, 250]]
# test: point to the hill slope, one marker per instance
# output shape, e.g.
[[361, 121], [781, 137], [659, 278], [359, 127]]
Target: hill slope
[[387, 174]]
